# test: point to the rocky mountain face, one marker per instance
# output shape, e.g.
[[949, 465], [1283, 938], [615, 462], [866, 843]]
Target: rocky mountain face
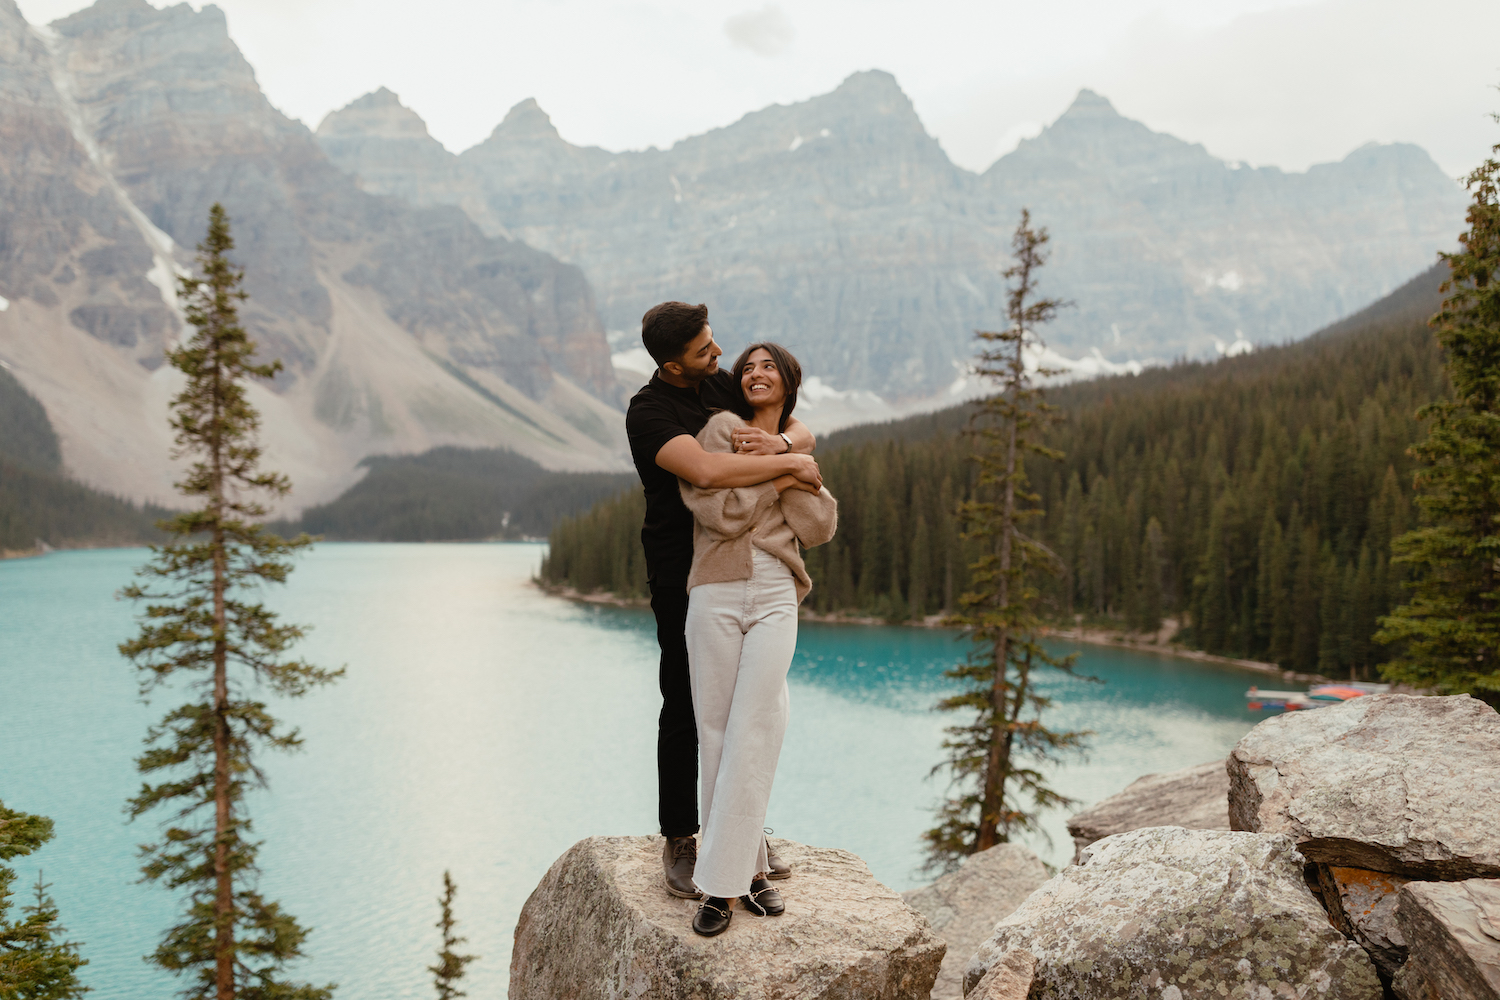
[[401, 327], [840, 227]]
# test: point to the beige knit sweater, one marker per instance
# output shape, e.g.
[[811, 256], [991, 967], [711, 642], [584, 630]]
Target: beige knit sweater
[[727, 522]]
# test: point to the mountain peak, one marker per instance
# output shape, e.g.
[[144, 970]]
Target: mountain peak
[[113, 15], [379, 113], [383, 97], [871, 89], [870, 81], [526, 120], [1090, 104]]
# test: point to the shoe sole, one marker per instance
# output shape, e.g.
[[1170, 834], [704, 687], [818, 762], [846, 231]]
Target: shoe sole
[[777, 876], [683, 895]]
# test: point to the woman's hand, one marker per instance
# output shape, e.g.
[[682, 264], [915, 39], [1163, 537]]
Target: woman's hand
[[754, 441]]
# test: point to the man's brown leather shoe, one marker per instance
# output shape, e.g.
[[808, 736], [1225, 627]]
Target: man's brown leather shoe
[[678, 856], [776, 868]]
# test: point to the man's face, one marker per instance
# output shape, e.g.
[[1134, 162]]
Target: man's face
[[700, 359]]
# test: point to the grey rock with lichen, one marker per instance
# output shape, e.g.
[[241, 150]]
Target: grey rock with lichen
[[1181, 914], [964, 905], [1193, 797], [601, 925], [1383, 782]]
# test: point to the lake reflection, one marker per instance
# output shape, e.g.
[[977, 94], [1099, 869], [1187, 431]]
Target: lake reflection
[[484, 727]]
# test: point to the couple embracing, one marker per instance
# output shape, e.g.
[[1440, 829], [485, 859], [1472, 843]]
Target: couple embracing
[[732, 497]]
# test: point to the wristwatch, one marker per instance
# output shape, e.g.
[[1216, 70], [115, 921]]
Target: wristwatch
[[787, 440]]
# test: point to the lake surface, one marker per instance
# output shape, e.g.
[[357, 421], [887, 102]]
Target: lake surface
[[483, 727]]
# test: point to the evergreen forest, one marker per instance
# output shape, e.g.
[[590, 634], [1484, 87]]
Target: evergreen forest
[[38, 502], [1252, 500], [456, 494]]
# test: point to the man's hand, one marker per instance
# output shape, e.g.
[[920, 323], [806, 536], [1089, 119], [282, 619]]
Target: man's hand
[[754, 441], [784, 483], [806, 470]]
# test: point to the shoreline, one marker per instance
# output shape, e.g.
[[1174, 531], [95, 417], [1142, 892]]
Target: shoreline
[[41, 548], [1092, 636]]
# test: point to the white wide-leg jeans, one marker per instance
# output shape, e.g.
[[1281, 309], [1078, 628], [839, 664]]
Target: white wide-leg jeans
[[740, 640]]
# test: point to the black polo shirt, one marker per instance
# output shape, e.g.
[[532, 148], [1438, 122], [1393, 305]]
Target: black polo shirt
[[656, 415]]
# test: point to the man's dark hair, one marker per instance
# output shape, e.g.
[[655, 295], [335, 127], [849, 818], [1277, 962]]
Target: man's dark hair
[[667, 329], [791, 378]]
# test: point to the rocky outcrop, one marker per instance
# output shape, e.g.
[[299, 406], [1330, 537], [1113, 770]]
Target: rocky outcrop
[[1385, 783], [964, 905], [1195, 797], [67, 243], [399, 156], [1180, 914], [838, 226], [600, 925], [1453, 930]]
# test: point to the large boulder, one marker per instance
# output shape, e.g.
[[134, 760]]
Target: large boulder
[[964, 905], [1391, 783], [601, 925], [1180, 914], [1195, 797], [1453, 930]]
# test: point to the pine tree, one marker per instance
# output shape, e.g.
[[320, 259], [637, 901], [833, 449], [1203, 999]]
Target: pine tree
[[920, 572], [199, 621], [1150, 578], [1306, 590], [992, 759], [34, 963], [450, 967], [1448, 633]]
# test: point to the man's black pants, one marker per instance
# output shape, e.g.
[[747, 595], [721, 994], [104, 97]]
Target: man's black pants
[[676, 729]]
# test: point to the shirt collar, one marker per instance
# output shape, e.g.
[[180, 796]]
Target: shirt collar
[[663, 385]]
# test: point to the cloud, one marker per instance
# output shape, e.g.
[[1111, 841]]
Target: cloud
[[766, 31]]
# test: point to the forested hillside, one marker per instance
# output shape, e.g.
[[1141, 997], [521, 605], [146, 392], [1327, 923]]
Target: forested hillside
[[39, 503], [1254, 498], [449, 494]]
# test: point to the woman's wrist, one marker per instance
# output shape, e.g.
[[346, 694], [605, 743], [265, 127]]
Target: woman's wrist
[[785, 440]]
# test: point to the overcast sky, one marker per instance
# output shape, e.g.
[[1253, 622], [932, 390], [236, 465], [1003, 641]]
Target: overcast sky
[[1269, 82]]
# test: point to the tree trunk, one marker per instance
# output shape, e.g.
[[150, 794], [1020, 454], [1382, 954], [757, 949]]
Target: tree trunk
[[223, 877], [997, 763], [1017, 700]]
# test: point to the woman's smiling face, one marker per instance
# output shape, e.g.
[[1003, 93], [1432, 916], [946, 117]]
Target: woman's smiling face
[[760, 381]]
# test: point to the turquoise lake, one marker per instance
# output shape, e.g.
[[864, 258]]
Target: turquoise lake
[[483, 727]]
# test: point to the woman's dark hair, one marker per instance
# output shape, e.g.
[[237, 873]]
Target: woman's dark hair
[[791, 378], [667, 329]]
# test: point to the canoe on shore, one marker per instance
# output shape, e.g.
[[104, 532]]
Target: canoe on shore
[[1323, 694]]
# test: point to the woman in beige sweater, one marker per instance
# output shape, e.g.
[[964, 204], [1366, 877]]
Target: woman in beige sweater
[[745, 584]]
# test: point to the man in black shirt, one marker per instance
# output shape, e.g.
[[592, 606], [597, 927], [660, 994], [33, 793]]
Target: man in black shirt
[[662, 422]]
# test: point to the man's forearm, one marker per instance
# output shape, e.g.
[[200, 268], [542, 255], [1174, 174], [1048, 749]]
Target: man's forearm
[[717, 470]]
